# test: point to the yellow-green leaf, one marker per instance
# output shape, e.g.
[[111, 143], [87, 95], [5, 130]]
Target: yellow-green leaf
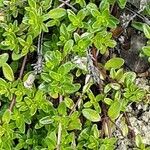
[[57, 13], [6, 116], [3, 58], [91, 115], [8, 72], [115, 63], [114, 110], [146, 29]]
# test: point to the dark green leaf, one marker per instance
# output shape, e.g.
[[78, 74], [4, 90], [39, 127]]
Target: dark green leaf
[[122, 3]]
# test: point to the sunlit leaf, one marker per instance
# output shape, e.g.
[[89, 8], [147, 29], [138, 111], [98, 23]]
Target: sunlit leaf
[[115, 63], [91, 115], [57, 13], [8, 72]]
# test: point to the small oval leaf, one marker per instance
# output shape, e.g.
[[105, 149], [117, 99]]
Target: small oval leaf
[[8, 72], [146, 29], [57, 13], [3, 58], [146, 50], [114, 110], [115, 63], [91, 115], [46, 120], [6, 116], [3, 82]]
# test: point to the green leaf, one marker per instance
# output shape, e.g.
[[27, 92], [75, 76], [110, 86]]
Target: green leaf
[[146, 29], [3, 83], [73, 18], [87, 104], [54, 75], [137, 25], [8, 72], [62, 110], [81, 14], [3, 58], [119, 74], [114, 110], [104, 5], [71, 88], [95, 131], [115, 63], [75, 125], [57, 13], [21, 124], [138, 140], [68, 47], [32, 3], [51, 23], [128, 77], [115, 86], [91, 115], [107, 88], [6, 116], [81, 3], [146, 50], [29, 39], [108, 101], [69, 102], [122, 3], [46, 120], [65, 68]]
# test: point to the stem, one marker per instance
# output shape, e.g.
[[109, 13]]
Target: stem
[[61, 5], [131, 131], [75, 105], [59, 128], [20, 77], [105, 120], [117, 127], [22, 67], [66, 3]]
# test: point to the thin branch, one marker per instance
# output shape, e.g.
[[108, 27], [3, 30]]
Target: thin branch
[[20, 77], [63, 4], [59, 128], [39, 48], [39, 64], [116, 126], [66, 3], [145, 19], [80, 97], [76, 104], [131, 131]]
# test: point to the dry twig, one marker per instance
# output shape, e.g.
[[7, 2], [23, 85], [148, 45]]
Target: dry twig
[[20, 77]]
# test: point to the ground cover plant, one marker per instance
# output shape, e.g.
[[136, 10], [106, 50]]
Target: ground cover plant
[[68, 72]]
